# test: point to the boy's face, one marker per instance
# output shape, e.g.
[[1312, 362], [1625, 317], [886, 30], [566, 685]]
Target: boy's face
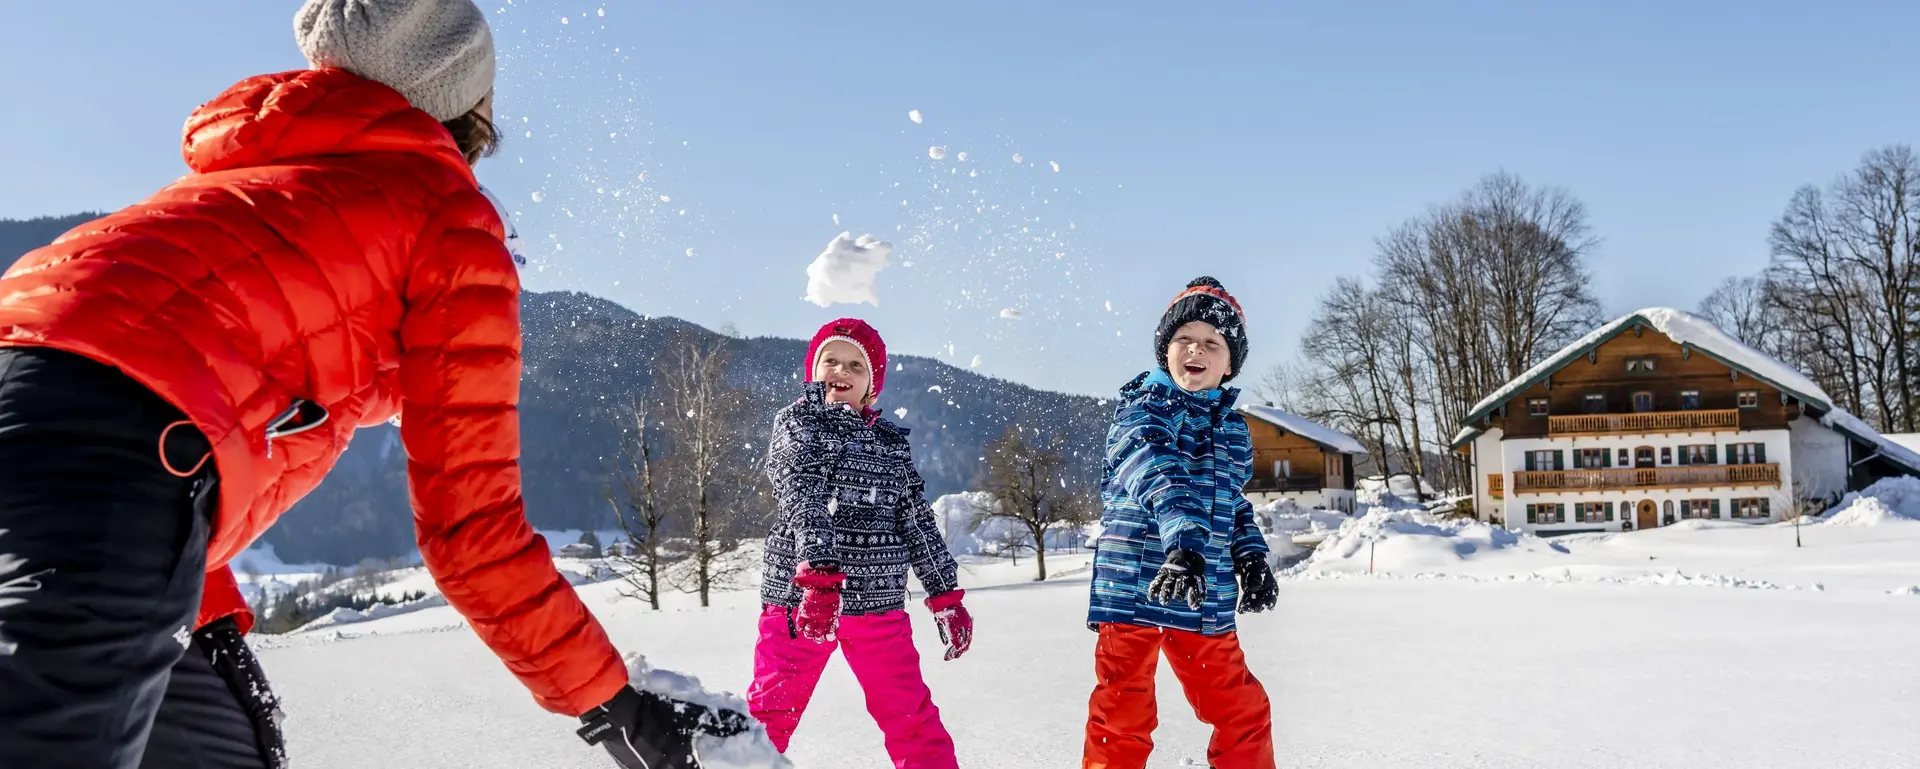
[[845, 371], [1198, 357]]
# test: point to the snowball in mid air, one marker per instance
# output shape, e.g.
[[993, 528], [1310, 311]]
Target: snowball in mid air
[[913, 115], [539, 196], [1018, 158], [937, 153], [976, 362], [1010, 314], [1055, 164], [846, 271]]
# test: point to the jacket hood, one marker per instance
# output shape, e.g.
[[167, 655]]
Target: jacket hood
[[272, 118]]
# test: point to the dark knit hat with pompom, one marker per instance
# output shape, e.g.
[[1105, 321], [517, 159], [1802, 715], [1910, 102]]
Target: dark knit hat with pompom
[[1205, 300]]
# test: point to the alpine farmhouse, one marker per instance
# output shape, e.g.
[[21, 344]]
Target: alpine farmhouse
[[1659, 417], [1298, 459]]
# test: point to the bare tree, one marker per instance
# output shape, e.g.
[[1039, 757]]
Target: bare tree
[[1740, 307], [1844, 275], [639, 507], [1030, 488], [712, 468]]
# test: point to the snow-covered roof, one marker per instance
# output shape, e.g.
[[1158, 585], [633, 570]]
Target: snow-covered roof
[[1684, 328], [1891, 448], [1305, 428], [1910, 440], [1466, 434]]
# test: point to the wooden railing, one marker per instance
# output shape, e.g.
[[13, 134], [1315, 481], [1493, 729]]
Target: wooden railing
[[1285, 484], [1693, 476], [1497, 485], [1650, 422]]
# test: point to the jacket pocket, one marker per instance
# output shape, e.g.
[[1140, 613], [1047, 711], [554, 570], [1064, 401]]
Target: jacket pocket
[[299, 417]]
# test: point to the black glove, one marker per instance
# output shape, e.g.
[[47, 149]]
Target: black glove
[[1258, 590], [644, 730], [227, 651], [1182, 578]]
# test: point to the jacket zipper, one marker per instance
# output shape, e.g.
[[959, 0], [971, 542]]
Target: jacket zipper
[[300, 417]]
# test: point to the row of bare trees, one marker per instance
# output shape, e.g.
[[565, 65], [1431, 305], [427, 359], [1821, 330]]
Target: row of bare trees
[[690, 486], [1459, 301], [1840, 297]]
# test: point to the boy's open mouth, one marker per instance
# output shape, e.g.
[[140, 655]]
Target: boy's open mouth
[[1195, 368]]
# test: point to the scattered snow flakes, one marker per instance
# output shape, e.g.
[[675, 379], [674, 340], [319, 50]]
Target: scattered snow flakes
[[563, 20], [900, 413], [1010, 314], [689, 252], [973, 173], [976, 362], [1018, 159], [937, 153], [845, 272], [963, 156], [666, 199], [899, 367], [690, 413], [936, 389], [1055, 164], [643, 176], [539, 196], [1109, 305], [603, 13], [914, 115], [836, 220]]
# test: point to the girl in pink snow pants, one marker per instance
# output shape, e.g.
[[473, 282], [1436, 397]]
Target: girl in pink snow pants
[[853, 518]]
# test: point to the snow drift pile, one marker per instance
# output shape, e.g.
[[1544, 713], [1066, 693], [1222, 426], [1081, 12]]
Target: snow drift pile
[[1888, 501], [749, 750], [1415, 541], [847, 270]]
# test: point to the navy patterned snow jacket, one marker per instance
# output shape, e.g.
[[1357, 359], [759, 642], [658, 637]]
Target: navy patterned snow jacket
[[1177, 463], [848, 493]]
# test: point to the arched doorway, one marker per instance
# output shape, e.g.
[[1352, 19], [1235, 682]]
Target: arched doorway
[[1647, 517]]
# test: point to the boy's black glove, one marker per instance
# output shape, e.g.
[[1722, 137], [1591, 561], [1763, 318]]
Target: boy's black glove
[[644, 730], [1182, 578], [1258, 590]]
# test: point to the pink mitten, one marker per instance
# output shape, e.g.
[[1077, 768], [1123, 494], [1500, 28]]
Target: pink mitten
[[819, 613], [956, 625]]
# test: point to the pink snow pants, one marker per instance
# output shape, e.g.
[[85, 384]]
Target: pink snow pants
[[880, 651]]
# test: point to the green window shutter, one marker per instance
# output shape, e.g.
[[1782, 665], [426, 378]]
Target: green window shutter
[[1713, 454], [1577, 462], [1533, 514], [1609, 511], [1766, 507], [1530, 463], [1760, 453], [1682, 455], [1559, 460], [1713, 509]]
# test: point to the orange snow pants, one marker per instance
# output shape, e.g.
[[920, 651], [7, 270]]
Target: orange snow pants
[[1224, 694]]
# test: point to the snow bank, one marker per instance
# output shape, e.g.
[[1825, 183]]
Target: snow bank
[[1413, 541], [845, 272], [1888, 501], [1287, 517], [749, 750], [345, 616]]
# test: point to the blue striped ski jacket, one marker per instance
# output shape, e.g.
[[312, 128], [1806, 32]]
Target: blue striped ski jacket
[[1177, 463]]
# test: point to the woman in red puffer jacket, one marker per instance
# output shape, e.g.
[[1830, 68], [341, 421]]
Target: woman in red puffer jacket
[[174, 376]]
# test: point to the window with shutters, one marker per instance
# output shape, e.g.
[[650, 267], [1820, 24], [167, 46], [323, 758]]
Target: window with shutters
[[1593, 512], [1546, 513], [1699, 508], [1749, 399], [1591, 459], [1543, 460], [1640, 365], [1746, 453], [1699, 454], [1754, 507], [1537, 407]]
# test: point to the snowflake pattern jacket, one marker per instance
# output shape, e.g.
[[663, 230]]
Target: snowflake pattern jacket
[[848, 493], [1177, 463]]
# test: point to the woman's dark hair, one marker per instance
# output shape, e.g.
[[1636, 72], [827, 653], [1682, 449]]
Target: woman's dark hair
[[475, 135]]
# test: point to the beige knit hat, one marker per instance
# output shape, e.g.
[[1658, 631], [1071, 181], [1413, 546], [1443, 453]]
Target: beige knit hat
[[437, 53]]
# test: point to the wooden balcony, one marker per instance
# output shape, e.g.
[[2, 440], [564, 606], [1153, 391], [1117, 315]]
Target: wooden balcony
[[1497, 485], [1645, 423], [1689, 477]]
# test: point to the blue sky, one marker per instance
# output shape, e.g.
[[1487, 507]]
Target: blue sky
[[1266, 144]]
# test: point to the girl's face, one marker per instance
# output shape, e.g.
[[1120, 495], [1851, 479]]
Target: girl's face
[[844, 369], [1198, 357]]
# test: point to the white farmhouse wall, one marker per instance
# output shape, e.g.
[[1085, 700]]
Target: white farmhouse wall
[[1820, 457], [1487, 459], [1512, 456]]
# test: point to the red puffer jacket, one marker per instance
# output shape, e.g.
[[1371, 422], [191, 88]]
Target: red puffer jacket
[[331, 263]]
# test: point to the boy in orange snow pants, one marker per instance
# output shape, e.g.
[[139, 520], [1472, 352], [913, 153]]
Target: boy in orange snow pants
[[1180, 547]]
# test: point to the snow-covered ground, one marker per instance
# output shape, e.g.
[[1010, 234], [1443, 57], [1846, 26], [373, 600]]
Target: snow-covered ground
[[1471, 647]]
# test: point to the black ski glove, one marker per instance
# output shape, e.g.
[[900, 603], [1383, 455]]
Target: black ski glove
[[1182, 578], [644, 730], [1258, 590]]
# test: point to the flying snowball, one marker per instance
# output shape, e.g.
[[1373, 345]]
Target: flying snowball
[[1018, 159], [914, 115], [836, 220], [900, 413], [976, 362], [1055, 164], [539, 196], [846, 271], [937, 153], [963, 157], [1010, 314], [666, 199], [689, 252]]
